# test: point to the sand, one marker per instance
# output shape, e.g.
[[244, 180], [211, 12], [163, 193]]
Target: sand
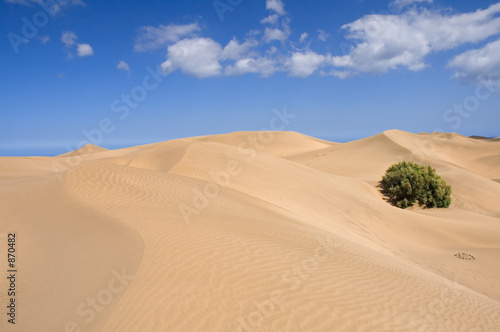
[[251, 231]]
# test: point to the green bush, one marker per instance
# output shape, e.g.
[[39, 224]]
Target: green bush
[[407, 183]]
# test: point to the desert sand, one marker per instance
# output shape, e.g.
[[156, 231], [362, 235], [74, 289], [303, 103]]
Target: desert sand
[[252, 231]]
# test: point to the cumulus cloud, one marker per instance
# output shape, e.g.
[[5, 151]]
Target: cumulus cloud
[[280, 28], [122, 65], [385, 42], [151, 38], [378, 44], [203, 58], [447, 32], [395, 43], [478, 64], [305, 64], [196, 56], [271, 34], [235, 51], [84, 50], [271, 19], [276, 6], [69, 39], [261, 65]]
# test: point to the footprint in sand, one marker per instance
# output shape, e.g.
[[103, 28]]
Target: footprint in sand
[[463, 255]]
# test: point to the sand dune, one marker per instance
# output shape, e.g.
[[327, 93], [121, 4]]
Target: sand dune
[[253, 231], [89, 148]]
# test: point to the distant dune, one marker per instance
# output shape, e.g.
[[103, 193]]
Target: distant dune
[[89, 148], [252, 231]]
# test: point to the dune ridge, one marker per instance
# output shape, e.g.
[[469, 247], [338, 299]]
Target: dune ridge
[[254, 231]]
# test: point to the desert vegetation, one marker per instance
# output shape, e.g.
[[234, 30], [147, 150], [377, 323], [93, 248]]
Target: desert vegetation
[[407, 183]]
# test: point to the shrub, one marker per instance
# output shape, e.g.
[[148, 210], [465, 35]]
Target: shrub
[[406, 183]]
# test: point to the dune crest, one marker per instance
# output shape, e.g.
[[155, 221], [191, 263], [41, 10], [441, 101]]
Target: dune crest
[[89, 148], [254, 231]]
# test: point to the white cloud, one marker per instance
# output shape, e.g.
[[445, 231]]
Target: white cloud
[[447, 32], [271, 19], [271, 34], [69, 38], [379, 43], [122, 65], [394, 43], [276, 6], [235, 51], [197, 56], [322, 35], [280, 28], [305, 64], [483, 63], [202, 57], [151, 38], [303, 37], [262, 66], [385, 42], [84, 50]]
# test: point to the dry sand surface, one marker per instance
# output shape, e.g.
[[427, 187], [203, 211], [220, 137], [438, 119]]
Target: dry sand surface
[[251, 231]]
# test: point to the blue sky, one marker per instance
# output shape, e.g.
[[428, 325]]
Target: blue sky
[[122, 73]]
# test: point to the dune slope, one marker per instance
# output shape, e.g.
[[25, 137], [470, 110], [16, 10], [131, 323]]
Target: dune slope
[[253, 231]]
